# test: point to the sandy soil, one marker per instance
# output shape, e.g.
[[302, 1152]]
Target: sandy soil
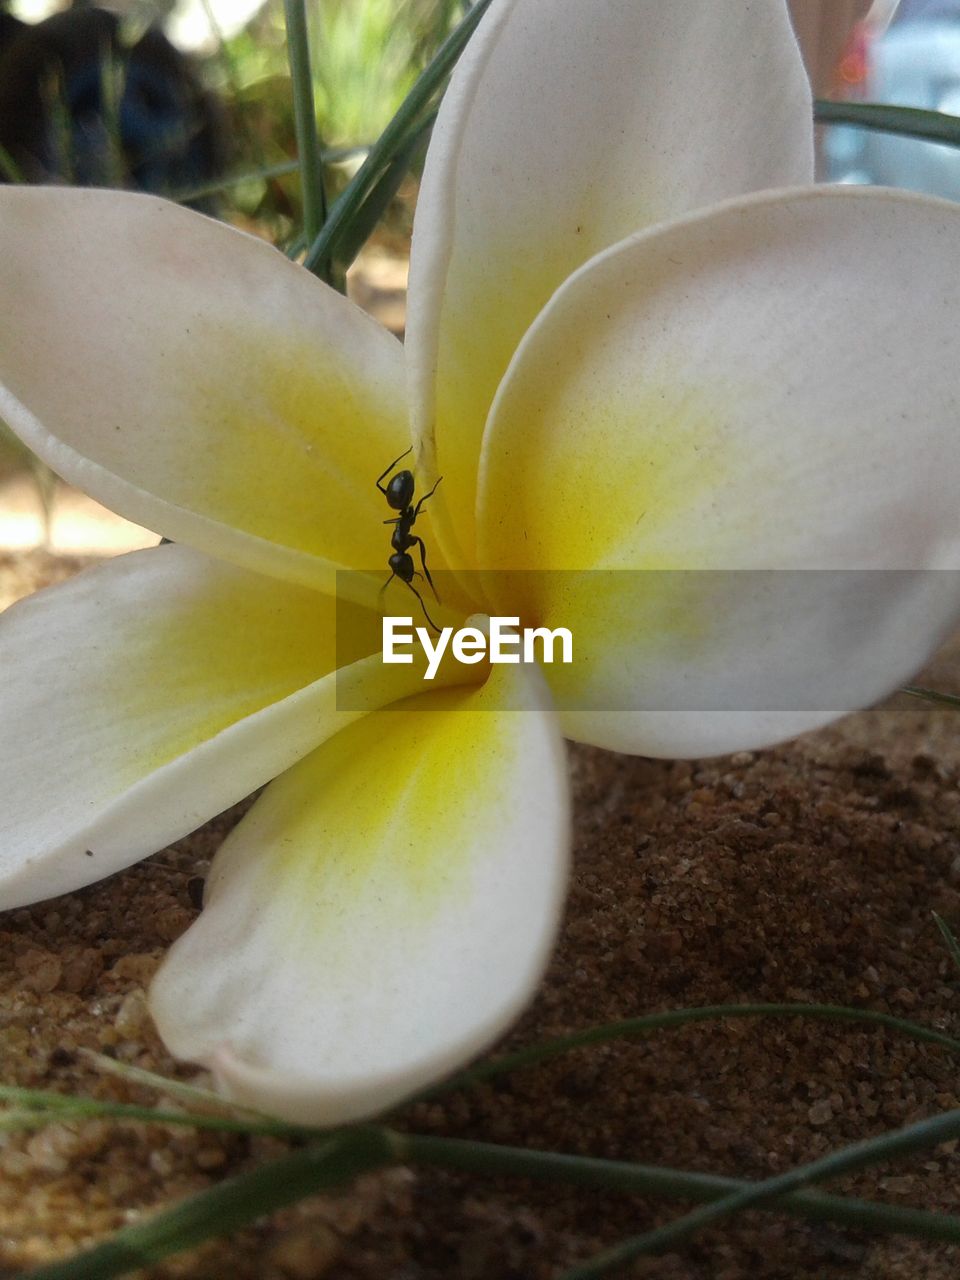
[[805, 873]]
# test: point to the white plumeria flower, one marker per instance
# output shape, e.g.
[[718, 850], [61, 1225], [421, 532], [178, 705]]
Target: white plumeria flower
[[610, 376]]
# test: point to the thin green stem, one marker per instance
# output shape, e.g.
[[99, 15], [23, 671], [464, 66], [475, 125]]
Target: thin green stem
[[951, 700], [391, 141], [252, 1122], [10, 171], [279, 170], [915, 1137], [674, 1018], [44, 1098], [217, 1112], [43, 1112], [228, 1206], [350, 1152], [948, 936], [305, 118], [190, 1093], [384, 189], [909, 122], [345, 1153], [674, 1184], [15, 1121]]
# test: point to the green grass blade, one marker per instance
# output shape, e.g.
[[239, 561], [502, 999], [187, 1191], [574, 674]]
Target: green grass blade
[[373, 208], [344, 1156], [189, 1093], [216, 1111], [15, 1121], [908, 122], [57, 1108], [674, 1184], [36, 1098], [10, 171], [951, 700], [279, 170], [392, 141], [679, 1018], [902, 1142], [296, 247], [948, 936], [544, 1052], [305, 120], [227, 1206]]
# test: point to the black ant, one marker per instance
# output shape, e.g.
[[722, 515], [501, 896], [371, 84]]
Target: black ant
[[399, 495]]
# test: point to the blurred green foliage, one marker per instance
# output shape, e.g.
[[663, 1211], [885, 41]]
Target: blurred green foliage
[[366, 56]]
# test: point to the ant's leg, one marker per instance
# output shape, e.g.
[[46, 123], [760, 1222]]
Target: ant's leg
[[397, 521], [390, 468], [423, 607], [385, 585], [424, 498], [423, 561]]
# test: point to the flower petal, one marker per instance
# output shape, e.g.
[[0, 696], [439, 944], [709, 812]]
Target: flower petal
[[385, 910], [768, 385], [148, 694], [568, 126], [193, 379]]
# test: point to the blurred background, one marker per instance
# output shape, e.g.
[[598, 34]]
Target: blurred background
[[907, 53], [191, 99]]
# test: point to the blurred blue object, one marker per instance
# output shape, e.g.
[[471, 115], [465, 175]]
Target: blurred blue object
[[913, 61], [82, 104]]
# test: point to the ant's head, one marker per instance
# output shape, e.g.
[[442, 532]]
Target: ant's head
[[400, 490]]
